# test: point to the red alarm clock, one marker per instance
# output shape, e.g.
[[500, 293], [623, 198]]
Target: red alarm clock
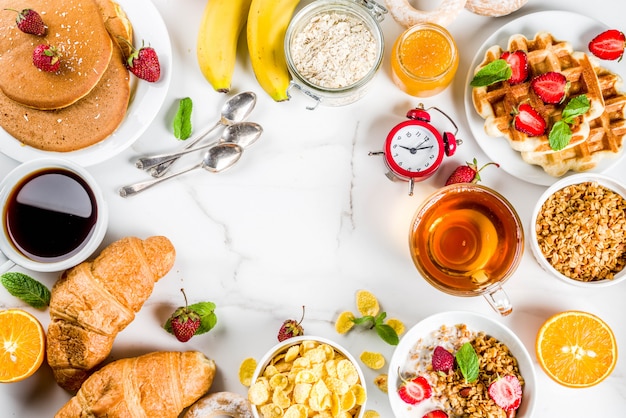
[[414, 149]]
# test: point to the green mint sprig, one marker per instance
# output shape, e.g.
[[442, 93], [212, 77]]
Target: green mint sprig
[[27, 289], [182, 120], [495, 71], [384, 331], [467, 360], [208, 318], [561, 132]]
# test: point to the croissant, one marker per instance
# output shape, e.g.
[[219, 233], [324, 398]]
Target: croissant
[[160, 384], [93, 301]]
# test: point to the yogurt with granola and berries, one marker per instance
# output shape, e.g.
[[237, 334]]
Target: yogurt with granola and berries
[[457, 372]]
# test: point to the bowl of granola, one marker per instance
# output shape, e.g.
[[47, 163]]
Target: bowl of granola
[[578, 230], [307, 374], [461, 364]]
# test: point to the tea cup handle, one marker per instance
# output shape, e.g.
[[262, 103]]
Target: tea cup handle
[[499, 301], [5, 263]]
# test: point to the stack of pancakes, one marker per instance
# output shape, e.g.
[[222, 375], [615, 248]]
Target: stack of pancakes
[[86, 100], [597, 134]]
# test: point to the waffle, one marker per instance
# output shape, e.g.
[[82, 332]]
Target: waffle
[[605, 138], [497, 103]]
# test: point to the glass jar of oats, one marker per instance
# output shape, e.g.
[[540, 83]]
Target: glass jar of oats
[[334, 49]]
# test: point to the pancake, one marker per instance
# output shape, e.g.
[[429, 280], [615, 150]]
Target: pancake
[[76, 28], [90, 119], [86, 122], [118, 24]]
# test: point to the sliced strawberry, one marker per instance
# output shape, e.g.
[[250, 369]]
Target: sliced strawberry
[[506, 392], [518, 61], [609, 45], [436, 414], [529, 121], [550, 87], [415, 391]]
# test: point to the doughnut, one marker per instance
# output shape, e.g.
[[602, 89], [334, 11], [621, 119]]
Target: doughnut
[[221, 404], [494, 7], [406, 15]]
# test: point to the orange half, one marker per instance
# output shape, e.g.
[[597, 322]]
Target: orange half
[[22, 345], [576, 349]]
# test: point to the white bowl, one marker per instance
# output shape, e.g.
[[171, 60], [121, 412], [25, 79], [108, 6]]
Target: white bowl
[[602, 180], [284, 346], [474, 322]]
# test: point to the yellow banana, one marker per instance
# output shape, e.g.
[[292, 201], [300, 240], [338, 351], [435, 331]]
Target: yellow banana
[[267, 24], [216, 49]]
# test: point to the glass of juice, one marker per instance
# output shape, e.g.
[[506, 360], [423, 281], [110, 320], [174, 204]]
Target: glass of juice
[[466, 240], [424, 60]]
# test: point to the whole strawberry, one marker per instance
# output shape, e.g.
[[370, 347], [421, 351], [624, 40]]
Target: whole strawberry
[[46, 58], [467, 173], [185, 322], [443, 360], [144, 63], [291, 328], [29, 21]]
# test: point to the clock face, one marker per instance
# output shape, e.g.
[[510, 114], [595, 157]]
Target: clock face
[[414, 149]]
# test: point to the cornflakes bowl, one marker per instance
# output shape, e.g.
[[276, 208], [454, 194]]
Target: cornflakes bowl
[[580, 223], [307, 374], [500, 351]]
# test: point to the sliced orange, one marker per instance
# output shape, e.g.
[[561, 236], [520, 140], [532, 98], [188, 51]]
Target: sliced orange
[[576, 349], [22, 345]]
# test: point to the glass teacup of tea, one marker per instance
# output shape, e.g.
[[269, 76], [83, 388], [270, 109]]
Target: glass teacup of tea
[[466, 240]]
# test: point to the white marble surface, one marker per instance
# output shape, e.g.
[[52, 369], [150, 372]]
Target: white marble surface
[[307, 218]]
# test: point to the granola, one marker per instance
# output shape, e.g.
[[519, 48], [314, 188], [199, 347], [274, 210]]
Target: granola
[[581, 231], [450, 391]]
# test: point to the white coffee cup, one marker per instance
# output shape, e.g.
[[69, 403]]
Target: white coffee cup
[[54, 215]]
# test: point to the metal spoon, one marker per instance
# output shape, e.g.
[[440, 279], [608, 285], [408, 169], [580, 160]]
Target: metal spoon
[[216, 159], [243, 134], [234, 110]]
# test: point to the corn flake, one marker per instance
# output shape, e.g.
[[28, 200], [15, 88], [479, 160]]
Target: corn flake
[[370, 413], [373, 360], [381, 382], [246, 371], [397, 325], [366, 303]]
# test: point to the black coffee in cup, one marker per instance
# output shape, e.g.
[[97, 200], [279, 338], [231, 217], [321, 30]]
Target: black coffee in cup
[[50, 215]]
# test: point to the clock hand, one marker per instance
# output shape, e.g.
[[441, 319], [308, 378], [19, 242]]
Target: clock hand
[[411, 150], [428, 147]]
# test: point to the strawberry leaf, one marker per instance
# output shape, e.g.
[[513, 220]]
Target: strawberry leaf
[[208, 319], [495, 71]]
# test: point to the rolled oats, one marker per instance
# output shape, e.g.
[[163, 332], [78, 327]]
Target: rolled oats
[[581, 231], [334, 50]]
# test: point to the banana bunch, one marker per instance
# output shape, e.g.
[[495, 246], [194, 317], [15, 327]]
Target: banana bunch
[[267, 21], [267, 24], [216, 48]]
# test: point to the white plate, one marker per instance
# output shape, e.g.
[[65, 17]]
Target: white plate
[[146, 98], [475, 322], [572, 27]]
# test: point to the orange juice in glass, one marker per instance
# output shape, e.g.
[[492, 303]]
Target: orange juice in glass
[[424, 60]]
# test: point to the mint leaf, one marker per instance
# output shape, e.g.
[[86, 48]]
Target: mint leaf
[[467, 360], [384, 331], [495, 71], [560, 135], [387, 333], [182, 120], [27, 289], [577, 106]]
